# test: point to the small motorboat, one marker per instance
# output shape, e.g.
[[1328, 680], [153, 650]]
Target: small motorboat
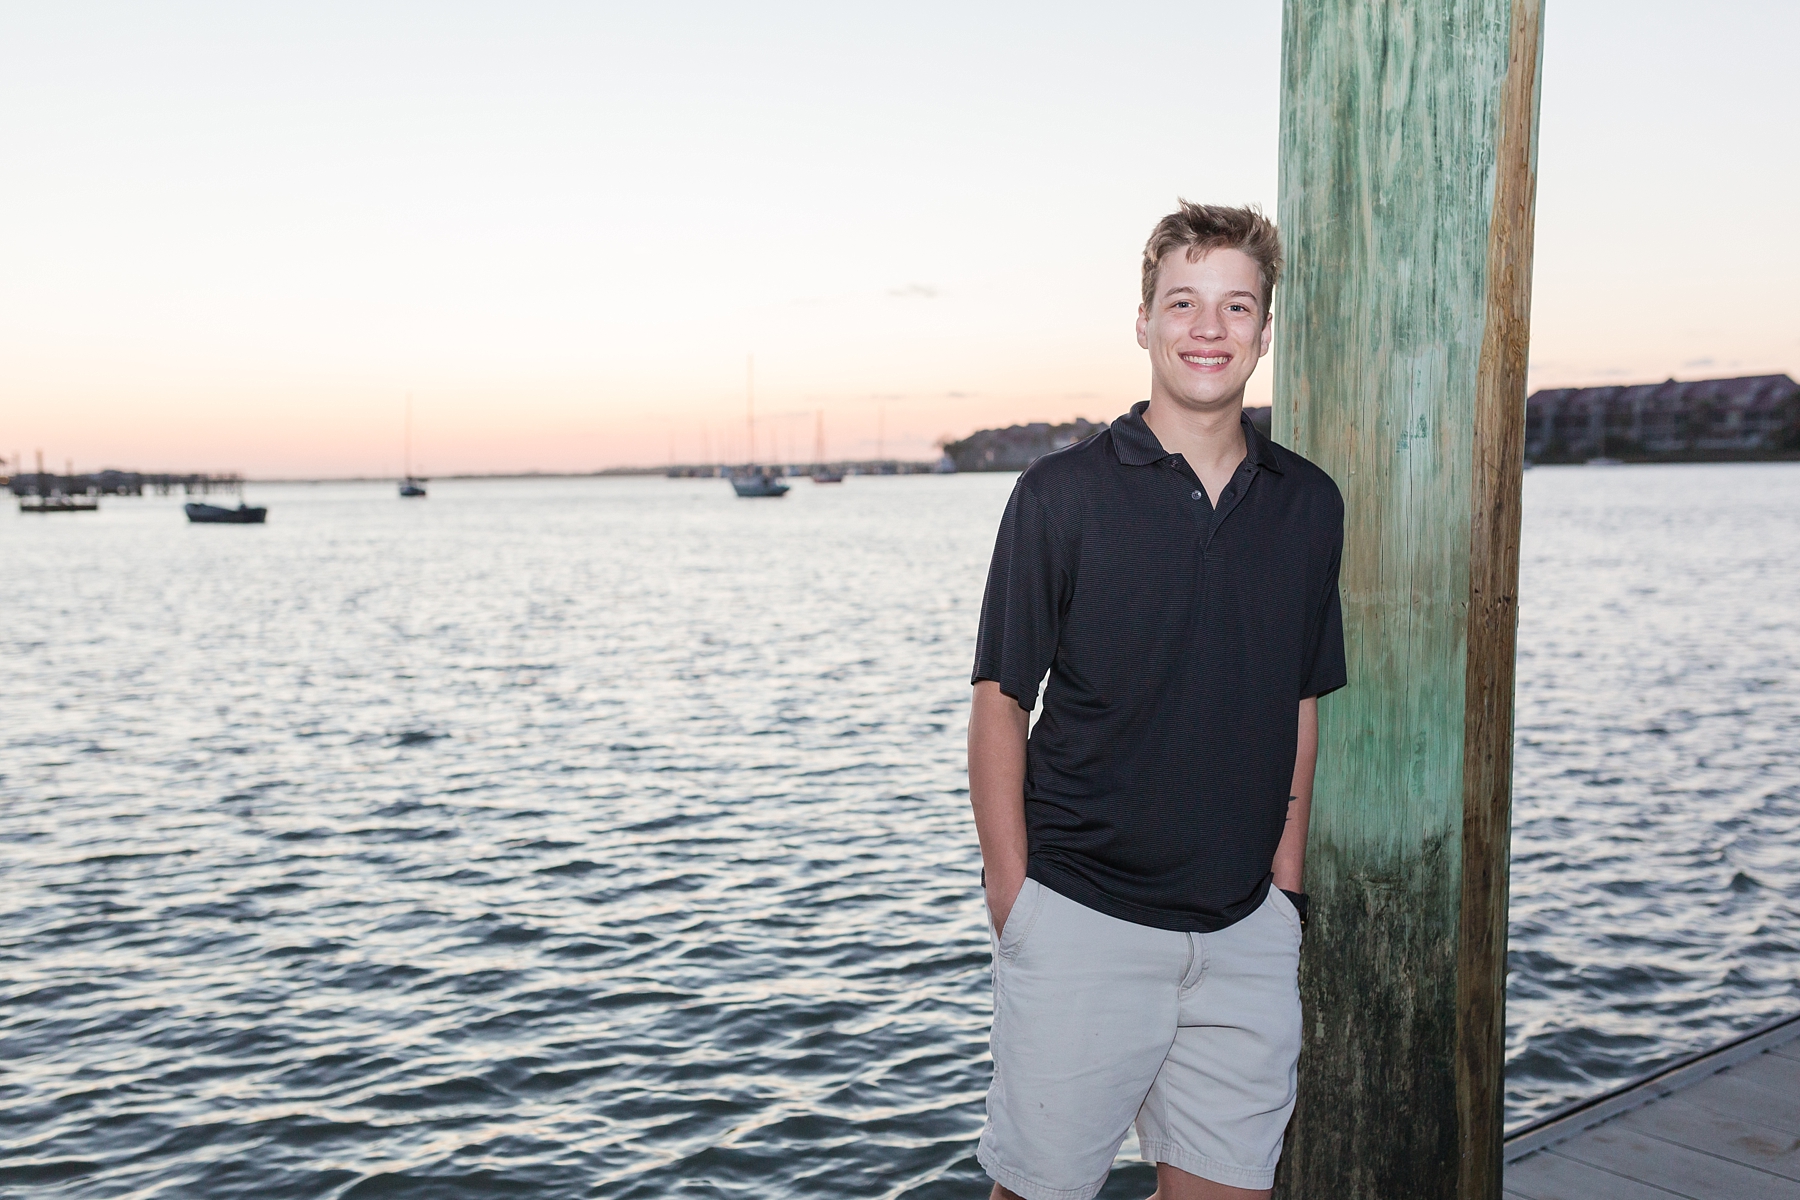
[[58, 503], [213, 514], [827, 475], [752, 483]]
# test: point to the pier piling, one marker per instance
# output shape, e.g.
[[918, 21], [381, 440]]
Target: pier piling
[[1408, 180]]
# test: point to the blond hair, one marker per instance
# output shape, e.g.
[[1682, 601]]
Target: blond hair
[[1199, 228]]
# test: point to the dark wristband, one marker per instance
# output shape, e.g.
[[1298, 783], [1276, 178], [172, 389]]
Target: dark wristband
[[1298, 900]]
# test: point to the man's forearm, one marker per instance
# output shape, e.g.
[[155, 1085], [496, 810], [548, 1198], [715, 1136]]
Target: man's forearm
[[1290, 855], [997, 732]]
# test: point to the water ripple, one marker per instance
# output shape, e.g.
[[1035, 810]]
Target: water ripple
[[609, 838]]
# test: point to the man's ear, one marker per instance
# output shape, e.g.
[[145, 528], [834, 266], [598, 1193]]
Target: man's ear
[[1268, 335], [1143, 327]]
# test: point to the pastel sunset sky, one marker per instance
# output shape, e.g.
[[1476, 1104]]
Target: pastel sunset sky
[[237, 236]]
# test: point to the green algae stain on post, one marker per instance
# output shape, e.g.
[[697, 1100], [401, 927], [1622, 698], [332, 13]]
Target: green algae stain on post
[[1408, 177]]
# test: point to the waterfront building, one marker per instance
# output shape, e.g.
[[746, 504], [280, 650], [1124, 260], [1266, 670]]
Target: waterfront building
[[1757, 416]]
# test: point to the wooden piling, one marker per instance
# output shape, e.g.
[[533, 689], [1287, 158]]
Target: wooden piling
[[1408, 179]]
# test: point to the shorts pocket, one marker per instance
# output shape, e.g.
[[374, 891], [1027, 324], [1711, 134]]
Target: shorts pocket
[[1021, 917], [1278, 899]]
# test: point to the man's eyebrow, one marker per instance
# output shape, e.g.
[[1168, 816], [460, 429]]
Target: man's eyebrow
[[1185, 289]]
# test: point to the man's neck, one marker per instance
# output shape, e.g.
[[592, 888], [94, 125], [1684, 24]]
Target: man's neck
[[1212, 441]]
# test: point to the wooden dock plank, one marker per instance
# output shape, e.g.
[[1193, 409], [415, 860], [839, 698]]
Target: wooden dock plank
[[1721, 1125], [1737, 1093], [1782, 1034], [1548, 1175], [1738, 1138], [1686, 1172], [1773, 1071]]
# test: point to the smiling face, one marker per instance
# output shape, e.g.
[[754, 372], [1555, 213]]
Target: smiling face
[[1205, 329]]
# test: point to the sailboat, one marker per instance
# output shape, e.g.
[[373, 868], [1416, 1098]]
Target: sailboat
[[411, 485], [751, 481], [820, 472]]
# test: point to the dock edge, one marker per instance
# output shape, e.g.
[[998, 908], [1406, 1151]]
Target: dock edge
[[1566, 1122]]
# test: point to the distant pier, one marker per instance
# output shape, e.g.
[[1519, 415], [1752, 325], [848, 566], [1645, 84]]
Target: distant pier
[[122, 483]]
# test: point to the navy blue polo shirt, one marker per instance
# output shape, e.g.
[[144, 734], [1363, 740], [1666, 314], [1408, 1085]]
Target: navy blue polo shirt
[[1180, 634]]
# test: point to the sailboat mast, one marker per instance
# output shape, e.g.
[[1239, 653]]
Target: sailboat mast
[[406, 451], [819, 440], [750, 408]]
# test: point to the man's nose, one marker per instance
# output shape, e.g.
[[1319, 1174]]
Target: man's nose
[[1207, 327]]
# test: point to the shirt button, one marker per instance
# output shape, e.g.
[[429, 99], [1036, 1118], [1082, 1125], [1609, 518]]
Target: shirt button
[[1196, 495]]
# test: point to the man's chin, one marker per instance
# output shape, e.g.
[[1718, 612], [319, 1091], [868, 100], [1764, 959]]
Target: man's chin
[[1209, 400], [1202, 395]]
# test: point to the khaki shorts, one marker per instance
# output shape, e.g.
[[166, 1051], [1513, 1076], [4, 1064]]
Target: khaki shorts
[[1099, 1022]]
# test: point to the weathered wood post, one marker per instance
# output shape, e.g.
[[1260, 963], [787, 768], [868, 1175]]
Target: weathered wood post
[[1408, 178]]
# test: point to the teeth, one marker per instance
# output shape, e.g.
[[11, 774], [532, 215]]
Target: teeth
[[1205, 362]]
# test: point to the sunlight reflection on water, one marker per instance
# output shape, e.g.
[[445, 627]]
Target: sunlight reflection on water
[[609, 837]]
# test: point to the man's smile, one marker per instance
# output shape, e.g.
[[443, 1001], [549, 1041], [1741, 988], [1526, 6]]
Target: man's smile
[[1206, 360]]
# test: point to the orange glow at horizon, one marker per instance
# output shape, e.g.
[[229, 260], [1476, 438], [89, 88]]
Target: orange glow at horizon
[[237, 238]]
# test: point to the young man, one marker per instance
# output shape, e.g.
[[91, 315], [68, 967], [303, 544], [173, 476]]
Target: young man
[[1143, 849]]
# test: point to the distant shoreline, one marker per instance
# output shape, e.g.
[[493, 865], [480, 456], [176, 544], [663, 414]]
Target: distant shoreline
[[464, 475], [1678, 456], [1696, 456], [920, 467]]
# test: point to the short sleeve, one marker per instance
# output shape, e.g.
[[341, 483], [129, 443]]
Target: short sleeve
[[1325, 649], [1028, 588]]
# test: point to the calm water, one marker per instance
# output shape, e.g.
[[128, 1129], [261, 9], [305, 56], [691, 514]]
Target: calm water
[[609, 837]]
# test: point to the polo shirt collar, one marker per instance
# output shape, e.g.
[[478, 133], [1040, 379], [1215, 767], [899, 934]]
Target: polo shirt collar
[[1137, 446]]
